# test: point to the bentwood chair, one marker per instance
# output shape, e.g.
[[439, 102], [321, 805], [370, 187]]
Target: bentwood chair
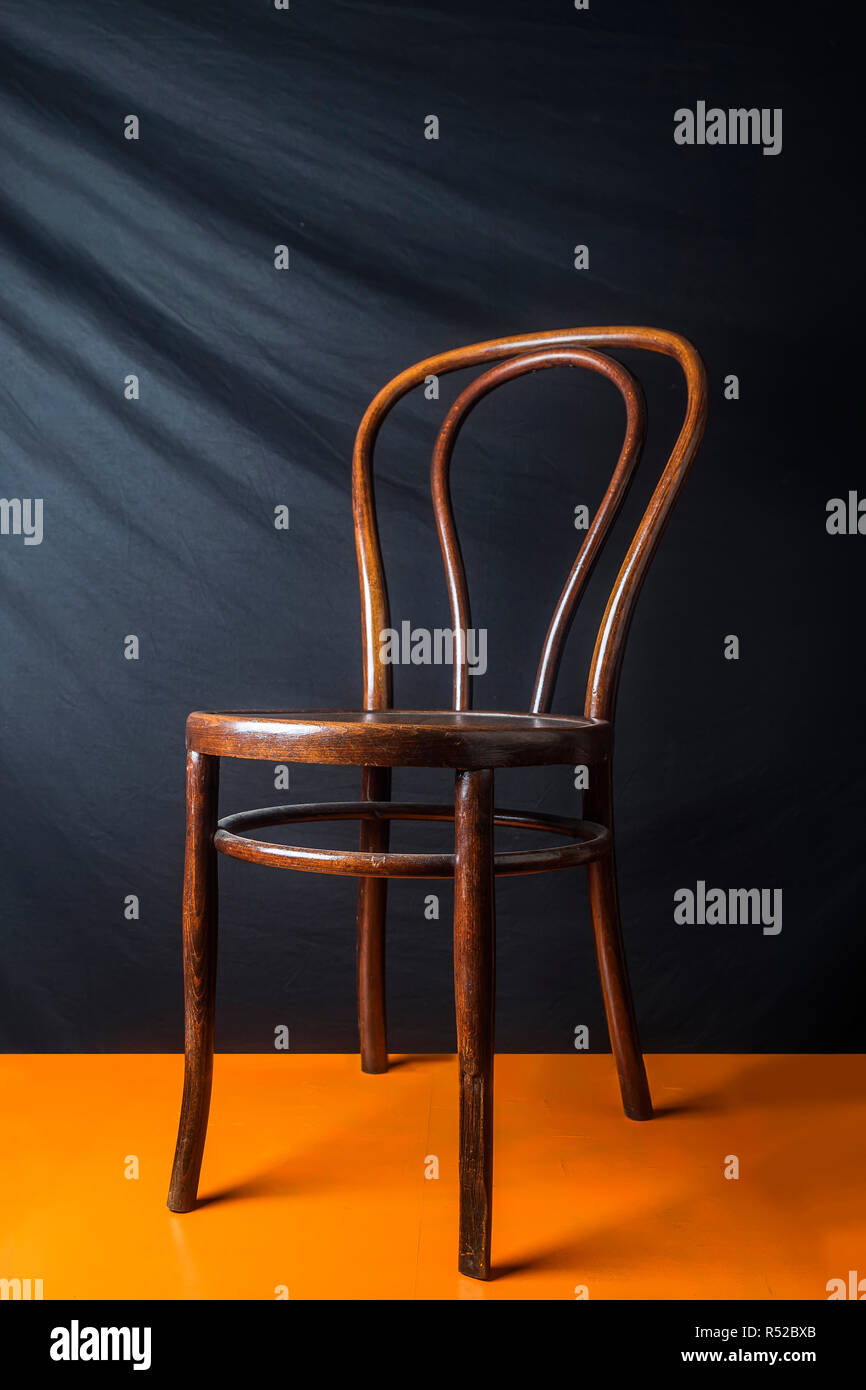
[[378, 738]]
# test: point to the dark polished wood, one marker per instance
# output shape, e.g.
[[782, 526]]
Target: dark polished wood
[[610, 954], [199, 974], [474, 994], [372, 906], [455, 574], [610, 645], [378, 738], [232, 839], [398, 738]]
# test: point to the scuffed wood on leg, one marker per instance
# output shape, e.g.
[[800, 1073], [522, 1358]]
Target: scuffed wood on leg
[[372, 905], [199, 975], [474, 993]]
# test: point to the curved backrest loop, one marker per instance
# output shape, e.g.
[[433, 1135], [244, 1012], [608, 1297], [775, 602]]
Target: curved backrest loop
[[570, 347], [594, 540]]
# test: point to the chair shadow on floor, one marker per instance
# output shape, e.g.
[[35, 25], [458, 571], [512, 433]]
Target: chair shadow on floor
[[765, 1083], [300, 1172]]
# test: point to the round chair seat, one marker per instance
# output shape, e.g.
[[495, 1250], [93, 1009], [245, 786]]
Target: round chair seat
[[399, 738]]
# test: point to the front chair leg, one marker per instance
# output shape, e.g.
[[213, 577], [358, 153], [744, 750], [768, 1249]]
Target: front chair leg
[[610, 952], [199, 974], [372, 904], [474, 990]]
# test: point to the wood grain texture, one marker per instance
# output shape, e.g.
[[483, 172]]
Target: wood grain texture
[[474, 997], [199, 975], [372, 907], [233, 838], [440, 484], [378, 738], [398, 738], [610, 954]]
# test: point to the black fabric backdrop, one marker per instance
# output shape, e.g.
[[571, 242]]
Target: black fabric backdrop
[[155, 257]]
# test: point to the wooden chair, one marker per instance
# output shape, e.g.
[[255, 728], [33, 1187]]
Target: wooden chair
[[378, 738]]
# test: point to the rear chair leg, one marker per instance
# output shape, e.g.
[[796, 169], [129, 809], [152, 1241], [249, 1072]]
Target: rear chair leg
[[607, 926], [474, 992], [199, 974]]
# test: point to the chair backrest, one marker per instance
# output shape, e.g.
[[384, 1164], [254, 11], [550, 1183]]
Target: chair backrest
[[579, 347]]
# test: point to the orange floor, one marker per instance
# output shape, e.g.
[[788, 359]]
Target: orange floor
[[314, 1179]]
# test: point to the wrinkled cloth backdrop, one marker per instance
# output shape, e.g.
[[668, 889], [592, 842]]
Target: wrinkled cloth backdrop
[[154, 258]]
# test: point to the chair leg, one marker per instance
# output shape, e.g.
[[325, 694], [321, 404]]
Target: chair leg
[[610, 952], [474, 993], [372, 904], [199, 975]]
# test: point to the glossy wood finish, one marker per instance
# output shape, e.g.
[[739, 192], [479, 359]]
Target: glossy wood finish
[[607, 658], [474, 995], [610, 954], [199, 974], [378, 738], [398, 738], [372, 906], [232, 838], [455, 573]]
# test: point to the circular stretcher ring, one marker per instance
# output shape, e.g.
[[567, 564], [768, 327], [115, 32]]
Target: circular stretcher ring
[[590, 841]]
